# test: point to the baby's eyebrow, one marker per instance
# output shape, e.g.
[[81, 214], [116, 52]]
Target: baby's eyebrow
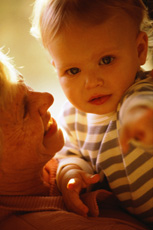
[[69, 66], [62, 69]]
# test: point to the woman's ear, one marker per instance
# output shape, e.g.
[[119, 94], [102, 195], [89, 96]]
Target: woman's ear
[[142, 47]]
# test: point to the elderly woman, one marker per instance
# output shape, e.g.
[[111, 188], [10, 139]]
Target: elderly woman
[[29, 138]]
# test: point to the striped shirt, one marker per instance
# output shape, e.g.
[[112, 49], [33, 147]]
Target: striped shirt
[[92, 142]]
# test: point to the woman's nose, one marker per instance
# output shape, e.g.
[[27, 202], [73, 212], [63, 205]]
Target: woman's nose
[[93, 81], [45, 100]]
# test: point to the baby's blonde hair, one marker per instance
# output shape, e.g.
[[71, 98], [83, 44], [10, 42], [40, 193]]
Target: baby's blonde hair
[[50, 16], [9, 76]]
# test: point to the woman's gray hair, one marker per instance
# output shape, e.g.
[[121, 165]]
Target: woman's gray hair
[[9, 76]]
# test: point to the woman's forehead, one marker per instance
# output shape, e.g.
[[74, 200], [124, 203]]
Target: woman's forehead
[[14, 94]]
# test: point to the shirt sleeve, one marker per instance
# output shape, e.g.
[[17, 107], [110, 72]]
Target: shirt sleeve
[[70, 153], [139, 99], [140, 94]]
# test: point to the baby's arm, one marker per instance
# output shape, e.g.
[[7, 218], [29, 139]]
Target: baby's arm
[[137, 122], [74, 173], [72, 180]]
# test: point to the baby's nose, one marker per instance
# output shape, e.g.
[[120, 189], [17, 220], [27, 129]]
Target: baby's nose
[[92, 82]]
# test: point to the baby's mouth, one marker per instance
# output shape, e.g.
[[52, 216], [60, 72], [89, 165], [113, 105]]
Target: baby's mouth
[[99, 99]]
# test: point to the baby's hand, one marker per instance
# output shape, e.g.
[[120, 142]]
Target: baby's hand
[[137, 125], [73, 181]]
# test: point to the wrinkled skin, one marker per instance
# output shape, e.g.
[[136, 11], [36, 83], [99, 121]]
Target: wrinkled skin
[[27, 141]]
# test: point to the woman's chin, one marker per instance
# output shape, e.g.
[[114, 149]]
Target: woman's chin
[[53, 143]]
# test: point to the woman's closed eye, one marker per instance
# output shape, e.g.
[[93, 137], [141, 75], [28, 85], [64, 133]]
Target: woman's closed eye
[[106, 60], [25, 108], [73, 71]]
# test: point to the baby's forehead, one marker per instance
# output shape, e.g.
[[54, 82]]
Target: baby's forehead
[[87, 12]]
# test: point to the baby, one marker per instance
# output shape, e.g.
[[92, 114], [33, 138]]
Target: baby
[[97, 48]]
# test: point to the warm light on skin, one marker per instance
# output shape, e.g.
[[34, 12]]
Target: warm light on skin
[[30, 115], [14, 78], [71, 184], [72, 181], [30, 137], [94, 78]]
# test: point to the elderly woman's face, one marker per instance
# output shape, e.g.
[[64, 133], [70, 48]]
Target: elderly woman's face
[[28, 132]]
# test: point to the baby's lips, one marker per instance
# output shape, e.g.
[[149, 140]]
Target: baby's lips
[[52, 127]]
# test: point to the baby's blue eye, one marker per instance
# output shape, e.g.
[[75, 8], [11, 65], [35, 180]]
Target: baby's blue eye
[[106, 60], [73, 71]]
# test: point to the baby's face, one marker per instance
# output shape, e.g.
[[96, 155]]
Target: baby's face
[[96, 64]]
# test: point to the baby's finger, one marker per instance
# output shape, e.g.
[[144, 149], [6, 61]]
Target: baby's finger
[[80, 208], [75, 184], [124, 139], [74, 203], [90, 179], [72, 184]]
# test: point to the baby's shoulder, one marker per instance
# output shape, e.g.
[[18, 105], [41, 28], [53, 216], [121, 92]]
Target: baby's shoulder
[[143, 83]]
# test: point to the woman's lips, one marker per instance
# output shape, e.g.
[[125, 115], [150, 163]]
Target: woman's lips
[[52, 127], [99, 99]]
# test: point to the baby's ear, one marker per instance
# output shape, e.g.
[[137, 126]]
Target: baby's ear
[[142, 47], [53, 63]]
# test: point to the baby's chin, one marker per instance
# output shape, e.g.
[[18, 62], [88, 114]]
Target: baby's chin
[[99, 109]]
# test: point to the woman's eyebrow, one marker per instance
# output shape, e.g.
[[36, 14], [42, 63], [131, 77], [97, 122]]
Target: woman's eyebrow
[[20, 78], [24, 105]]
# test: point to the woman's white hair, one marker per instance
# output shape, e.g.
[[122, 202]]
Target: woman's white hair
[[9, 76]]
